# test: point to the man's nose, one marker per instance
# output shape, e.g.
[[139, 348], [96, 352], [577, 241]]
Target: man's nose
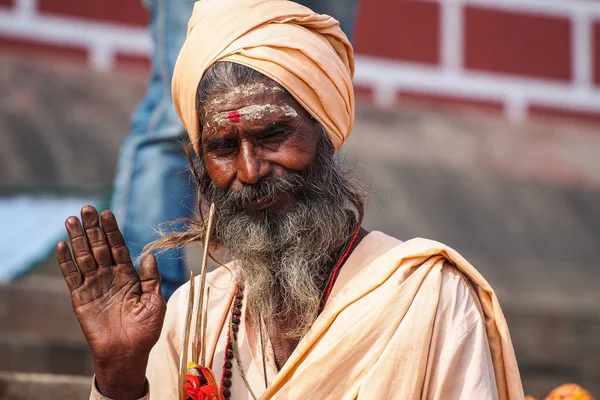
[[251, 168]]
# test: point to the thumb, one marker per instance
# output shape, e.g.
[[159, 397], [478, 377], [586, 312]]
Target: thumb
[[149, 275]]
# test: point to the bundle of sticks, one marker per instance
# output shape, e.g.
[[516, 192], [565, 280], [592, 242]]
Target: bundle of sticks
[[196, 380]]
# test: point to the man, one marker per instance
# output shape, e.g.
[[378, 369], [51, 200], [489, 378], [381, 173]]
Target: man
[[152, 180], [314, 306]]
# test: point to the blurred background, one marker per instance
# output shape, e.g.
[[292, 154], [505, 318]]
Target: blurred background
[[478, 125]]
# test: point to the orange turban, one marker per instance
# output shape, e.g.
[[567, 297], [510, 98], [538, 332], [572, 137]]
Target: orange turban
[[306, 53]]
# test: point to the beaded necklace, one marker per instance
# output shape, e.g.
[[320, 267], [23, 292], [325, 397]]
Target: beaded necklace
[[236, 313]]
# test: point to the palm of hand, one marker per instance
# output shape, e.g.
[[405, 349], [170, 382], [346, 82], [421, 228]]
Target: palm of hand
[[121, 314]]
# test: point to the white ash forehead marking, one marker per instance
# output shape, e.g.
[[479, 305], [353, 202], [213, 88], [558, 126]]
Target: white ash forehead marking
[[250, 89], [256, 112], [256, 88], [259, 111]]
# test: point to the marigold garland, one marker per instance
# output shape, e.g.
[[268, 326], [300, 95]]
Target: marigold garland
[[200, 383]]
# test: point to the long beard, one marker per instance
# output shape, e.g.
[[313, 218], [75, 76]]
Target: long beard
[[284, 260]]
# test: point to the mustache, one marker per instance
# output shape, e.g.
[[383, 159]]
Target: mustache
[[239, 199]]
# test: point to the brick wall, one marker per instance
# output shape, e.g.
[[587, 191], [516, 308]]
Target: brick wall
[[516, 56], [130, 12], [103, 33], [520, 57]]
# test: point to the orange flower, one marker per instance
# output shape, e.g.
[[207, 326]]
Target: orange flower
[[193, 387], [569, 391]]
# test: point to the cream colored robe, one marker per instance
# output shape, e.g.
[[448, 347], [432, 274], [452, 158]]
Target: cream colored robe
[[410, 320]]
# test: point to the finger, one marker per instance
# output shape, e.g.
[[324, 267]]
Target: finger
[[95, 236], [81, 249], [149, 275], [68, 267], [118, 248]]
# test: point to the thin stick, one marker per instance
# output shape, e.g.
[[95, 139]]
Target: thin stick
[[262, 349], [199, 342], [197, 328], [185, 341], [204, 325]]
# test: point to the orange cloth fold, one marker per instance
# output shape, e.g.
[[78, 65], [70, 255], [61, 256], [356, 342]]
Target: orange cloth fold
[[305, 52]]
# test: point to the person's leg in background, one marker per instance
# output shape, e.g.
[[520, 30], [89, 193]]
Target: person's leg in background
[[152, 185], [342, 10]]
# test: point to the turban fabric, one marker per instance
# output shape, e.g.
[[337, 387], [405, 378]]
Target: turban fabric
[[305, 52]]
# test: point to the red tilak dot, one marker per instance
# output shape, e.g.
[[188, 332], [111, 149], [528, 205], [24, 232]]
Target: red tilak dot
[[234, 116]]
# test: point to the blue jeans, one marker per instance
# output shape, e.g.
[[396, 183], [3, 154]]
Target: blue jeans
[[153, 185], [342, 10]]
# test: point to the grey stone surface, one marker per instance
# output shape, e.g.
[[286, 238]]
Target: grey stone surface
[[522, 203], [60, 125], [39, 331], [21, 386]]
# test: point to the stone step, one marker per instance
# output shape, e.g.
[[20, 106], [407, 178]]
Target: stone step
[[41, 305], [25, 352], [39, 331], [21, 386]]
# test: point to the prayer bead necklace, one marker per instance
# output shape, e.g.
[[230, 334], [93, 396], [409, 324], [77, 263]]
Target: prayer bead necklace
[[236, 317], [234, 327]]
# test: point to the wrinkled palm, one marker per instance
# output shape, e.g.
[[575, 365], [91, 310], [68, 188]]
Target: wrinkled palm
[[120, 312]]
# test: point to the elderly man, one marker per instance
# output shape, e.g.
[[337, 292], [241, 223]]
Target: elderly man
[[314, 306]]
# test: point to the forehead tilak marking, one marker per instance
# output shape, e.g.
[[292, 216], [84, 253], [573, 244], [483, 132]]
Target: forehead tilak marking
[[254, 112], [249, 89], [234, 116]]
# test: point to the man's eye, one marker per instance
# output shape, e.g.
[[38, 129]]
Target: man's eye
[[272, 136], [225, 147]]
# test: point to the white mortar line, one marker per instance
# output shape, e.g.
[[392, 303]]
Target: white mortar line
[[25, 9], [559, 8], [73, 32], [515, 108], [451, 36], [384, 96], [581, 45], [473, 85], [101, 57]]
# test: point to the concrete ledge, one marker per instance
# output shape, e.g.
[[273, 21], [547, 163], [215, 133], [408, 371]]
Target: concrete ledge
[[39, 331], [30, 353], [20, 386], [40, 306]]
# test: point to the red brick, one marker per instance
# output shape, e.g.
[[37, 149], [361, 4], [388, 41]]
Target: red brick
[[596, 55], [454, 102], [8, 3], [517, 43], [582, 116], [123, 11], [28, 47], [133, 62], [399, 29], [363, 92]]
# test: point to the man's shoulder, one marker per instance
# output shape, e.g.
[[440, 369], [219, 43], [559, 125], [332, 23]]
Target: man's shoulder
[[406, 257], [458, 298], [374, 244], [459, 308], [456, 287], [380, 242], [458, 304]]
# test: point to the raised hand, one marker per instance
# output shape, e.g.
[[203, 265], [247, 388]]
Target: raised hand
[[121, 314]]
